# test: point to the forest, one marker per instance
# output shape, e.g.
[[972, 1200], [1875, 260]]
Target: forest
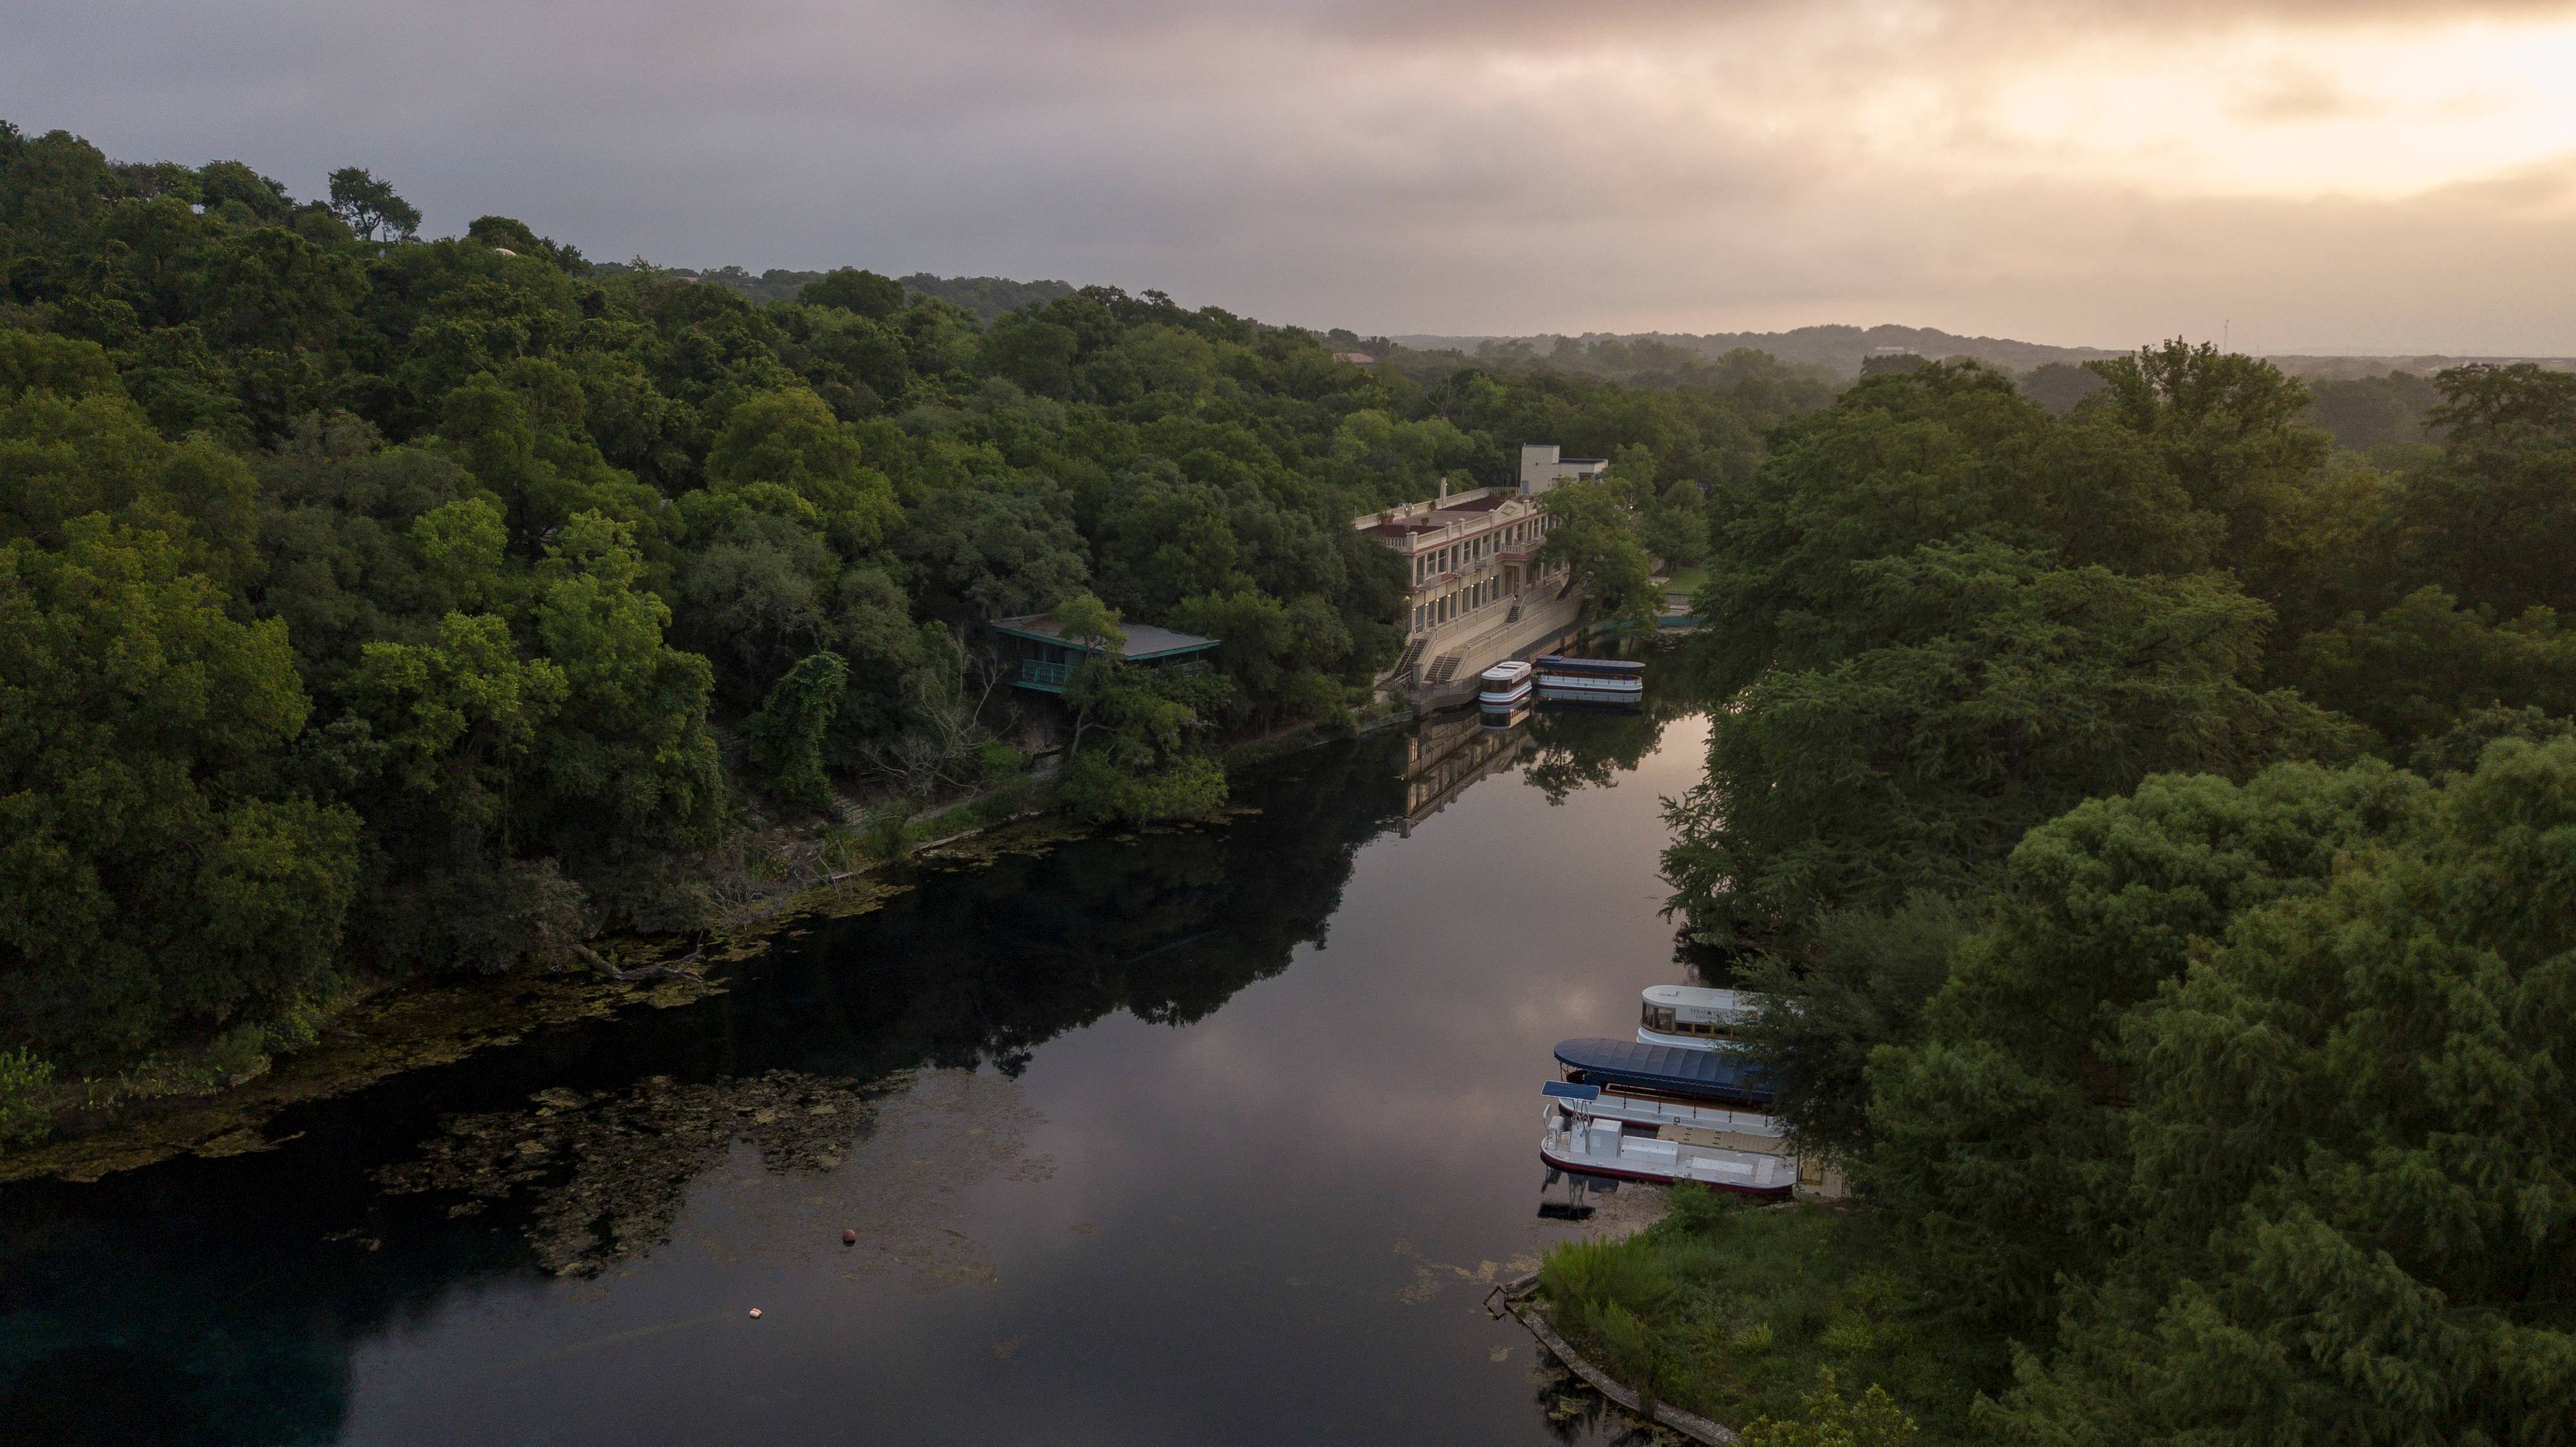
[[2148, 788], [2156, 828], [379, 608]]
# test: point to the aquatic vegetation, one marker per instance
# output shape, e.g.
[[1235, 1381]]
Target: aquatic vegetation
[[605, 1177]]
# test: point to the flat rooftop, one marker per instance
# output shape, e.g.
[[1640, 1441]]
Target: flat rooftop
[[1144, 640]]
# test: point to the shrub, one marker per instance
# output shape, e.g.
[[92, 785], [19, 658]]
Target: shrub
[[23, 1079], [1588, 1275], [1873, 1421]]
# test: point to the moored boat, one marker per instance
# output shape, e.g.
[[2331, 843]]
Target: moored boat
[[1670, 1154], [1754, 1129], [1590, 680], [1691, 1017], [1663, 1072], [1504, 685]]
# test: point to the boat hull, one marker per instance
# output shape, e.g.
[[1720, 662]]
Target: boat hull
[[1506, 697], [1634, 1171], [1558, 689], [1683, 1042]]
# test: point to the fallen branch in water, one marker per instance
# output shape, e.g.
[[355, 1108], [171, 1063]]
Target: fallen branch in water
[[673, 970]]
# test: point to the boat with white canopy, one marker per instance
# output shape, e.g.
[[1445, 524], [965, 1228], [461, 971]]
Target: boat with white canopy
[[1505, 685], [1692, 1017]]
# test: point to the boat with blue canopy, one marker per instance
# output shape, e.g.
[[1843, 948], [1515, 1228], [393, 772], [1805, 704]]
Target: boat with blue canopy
[[1629, 1068]]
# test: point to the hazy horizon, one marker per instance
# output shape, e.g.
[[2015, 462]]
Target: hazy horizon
[[2379, 179]]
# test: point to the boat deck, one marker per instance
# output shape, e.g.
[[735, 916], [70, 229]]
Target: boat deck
[[1592, 1100], [1604, 1148]]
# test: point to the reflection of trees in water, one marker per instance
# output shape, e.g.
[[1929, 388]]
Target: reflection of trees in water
[[1573, 747], [1576, 1413], [218, 1301], [988, 965]]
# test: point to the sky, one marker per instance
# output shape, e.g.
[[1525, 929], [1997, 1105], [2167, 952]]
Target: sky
[[2371, 176]]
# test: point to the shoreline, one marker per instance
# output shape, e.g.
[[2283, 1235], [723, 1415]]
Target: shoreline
[[397, 1028]]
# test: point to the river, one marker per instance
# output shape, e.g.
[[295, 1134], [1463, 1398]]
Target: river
[[1189, 1137]]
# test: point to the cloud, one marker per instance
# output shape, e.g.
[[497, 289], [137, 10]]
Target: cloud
[[2070, 171]]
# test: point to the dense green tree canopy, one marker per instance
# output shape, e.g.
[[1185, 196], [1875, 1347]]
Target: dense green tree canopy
[[529, 537], [2213, 1104]]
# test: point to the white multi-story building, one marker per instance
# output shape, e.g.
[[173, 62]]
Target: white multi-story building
[[1465, 553], [1542, 468]]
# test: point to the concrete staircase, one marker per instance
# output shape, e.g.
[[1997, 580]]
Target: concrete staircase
[[1412, 655], [1443, 668]]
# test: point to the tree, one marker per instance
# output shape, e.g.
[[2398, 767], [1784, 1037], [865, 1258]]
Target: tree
[[851, 289], [1149, 768], [791, 439], [2228, 428], [1996, 1136], [155, 879], [1860, 982], [996, 549], [2004, 691], [786, 736], [2418, 668], [459, 717], [1592, 533], [2350, 1139], [1872, 1421], [2492, 518], [368, 205], [632, 737], [1942, 454], [1674, 527]]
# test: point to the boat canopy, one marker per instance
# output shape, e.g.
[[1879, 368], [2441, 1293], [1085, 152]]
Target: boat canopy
[[1568, 1090], [1598, 667], [1713, 1074]]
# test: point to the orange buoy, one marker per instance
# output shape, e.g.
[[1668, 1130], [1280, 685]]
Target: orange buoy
[[849, 1238]]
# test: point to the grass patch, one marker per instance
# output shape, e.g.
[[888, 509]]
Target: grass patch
[[1686, 580], [1735, 1311]]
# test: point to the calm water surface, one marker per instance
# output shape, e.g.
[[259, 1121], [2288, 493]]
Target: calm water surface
[[1212, 1136]]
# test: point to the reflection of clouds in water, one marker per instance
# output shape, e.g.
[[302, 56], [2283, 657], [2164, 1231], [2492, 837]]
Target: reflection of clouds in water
[[808, 1157]]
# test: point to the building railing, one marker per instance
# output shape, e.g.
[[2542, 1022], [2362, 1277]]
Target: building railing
[[1035, 673]]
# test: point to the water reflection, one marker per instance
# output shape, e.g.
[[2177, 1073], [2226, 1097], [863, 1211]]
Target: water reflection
[[436, 1258]]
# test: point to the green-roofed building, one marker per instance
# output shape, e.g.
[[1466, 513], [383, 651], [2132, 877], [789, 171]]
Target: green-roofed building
[[1048, 659]]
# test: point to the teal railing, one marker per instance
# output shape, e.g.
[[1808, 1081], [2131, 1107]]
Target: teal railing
[[1053, 677]]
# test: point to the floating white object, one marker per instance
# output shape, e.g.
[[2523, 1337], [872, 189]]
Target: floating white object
[[755, 1311]]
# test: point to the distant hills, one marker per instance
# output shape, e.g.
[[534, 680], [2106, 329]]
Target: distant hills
[[986, 296], [1842, 349], [1837, 349]]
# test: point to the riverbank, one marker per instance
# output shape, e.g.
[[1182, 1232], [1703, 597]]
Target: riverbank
[[761, 883], [169, 1109], [1735, 1312]]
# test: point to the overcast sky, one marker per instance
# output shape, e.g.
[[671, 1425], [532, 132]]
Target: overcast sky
[[2365, 175]]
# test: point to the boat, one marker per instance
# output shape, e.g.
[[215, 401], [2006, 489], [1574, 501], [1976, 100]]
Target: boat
[[1667, 1153], [1590, 680], [1753, 1129], [1693, 1018], [1663, 1072], [1504, 685]]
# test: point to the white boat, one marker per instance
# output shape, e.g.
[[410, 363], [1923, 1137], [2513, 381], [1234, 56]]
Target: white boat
[[1694, 1018], [1654, 1112], [1591, 680], [1600, 1145], [1504, 685]]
